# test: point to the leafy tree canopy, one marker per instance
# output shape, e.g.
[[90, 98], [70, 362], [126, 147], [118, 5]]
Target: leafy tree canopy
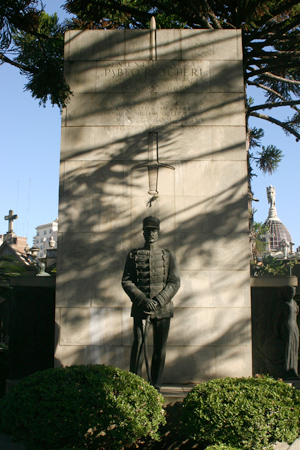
[[271, 48]]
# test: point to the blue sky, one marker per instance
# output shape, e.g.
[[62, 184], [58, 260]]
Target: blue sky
[[30, 147]]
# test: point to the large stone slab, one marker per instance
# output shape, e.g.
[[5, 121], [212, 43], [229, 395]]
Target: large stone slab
[[190, 99], [190, 143]]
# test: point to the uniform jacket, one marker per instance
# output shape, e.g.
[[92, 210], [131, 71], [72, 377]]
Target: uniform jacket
[[151, 274]]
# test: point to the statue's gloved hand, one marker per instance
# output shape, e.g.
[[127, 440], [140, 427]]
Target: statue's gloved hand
[[151, 306], [143, 301]]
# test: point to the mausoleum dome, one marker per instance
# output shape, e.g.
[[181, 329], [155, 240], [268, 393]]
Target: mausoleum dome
[[278, 231]]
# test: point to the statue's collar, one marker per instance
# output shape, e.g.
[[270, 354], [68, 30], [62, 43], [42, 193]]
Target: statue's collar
[[151, 247]]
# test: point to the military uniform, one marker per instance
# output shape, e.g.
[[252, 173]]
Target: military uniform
[[151, 273]]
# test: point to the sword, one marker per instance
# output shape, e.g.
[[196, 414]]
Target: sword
[[153, 164]]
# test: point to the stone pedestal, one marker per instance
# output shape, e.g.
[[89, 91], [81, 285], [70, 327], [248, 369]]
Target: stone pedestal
[[185, 109]]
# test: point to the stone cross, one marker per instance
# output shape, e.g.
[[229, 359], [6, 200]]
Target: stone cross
[[11, 217]]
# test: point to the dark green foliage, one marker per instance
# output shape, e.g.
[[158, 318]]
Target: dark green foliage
[[82, 407], [43, 53], [33, 41], [269, 159], [246, 413], [259, 229], [255, 134], [17, 15], [271, 266], [8, 268]]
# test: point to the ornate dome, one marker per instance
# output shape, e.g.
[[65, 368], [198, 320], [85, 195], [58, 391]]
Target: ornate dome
[[278, 231]]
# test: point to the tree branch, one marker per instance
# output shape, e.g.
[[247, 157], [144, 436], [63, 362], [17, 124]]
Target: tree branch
[[281, 31], [262, 86], [284, 39], [278, 78], [279, 54], [254, 72], [274, 105], [283, 125], [203, 19], [30, 69], [277, 27], [212, 16], [271, 91]]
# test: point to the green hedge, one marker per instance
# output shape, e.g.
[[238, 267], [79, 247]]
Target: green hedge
[[246, 413], [82, 407]]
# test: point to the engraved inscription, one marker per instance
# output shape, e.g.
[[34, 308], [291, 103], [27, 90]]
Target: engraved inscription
[[157, 109], [160, 112], [157, 76]]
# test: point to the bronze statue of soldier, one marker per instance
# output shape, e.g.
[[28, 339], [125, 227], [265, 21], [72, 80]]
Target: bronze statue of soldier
[[151, 280]]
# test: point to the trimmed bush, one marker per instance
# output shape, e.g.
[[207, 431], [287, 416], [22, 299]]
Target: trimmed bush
[[246, 413], [82, 407]]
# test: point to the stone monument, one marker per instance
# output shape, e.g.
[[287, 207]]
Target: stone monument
[[155, 126]]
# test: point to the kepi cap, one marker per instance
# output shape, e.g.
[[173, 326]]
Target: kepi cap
[[151, 222]]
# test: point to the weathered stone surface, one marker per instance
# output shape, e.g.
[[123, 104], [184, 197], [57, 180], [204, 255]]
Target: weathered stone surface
[[203, 178], [80, 76], [210, 326], [212, 252], [190, 363], [75, 326], [211, 45], [73, 287], [90, 46], [214, 288], [134, 45], [207, 362], [233, 361], [117, 356], [104, 143], [107, 290], [295, 445], [106, 326], [226, 77], [69, 355], [204, 214], [175, 143]]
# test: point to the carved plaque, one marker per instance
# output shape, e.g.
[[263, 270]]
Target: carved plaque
[[157, 76]]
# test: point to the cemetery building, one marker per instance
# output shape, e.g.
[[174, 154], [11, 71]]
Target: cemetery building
[[46, 237]]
